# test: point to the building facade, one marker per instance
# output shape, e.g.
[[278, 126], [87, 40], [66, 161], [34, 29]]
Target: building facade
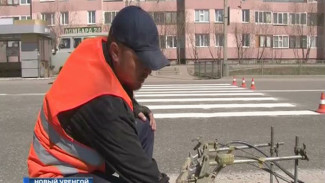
[[257, 29], [194, 30]]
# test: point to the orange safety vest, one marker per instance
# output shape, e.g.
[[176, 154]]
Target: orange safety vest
[[85, 76]]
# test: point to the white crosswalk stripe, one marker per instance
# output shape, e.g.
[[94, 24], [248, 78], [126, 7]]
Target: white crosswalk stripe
[[198, 94], [212, 100], [212, 106], [164, 100]]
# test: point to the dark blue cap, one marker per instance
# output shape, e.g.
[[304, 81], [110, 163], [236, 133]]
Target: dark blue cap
[[135, 28]]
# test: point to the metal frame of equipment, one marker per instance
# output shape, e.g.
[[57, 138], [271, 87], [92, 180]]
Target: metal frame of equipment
[[212, 157]]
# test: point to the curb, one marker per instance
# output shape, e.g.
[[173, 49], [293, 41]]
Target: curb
[[16, 78]]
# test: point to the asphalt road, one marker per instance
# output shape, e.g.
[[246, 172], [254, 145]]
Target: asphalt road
[[20, 105]]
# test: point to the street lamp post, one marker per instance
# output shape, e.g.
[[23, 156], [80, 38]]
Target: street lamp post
[[31, 9], [224, 65]]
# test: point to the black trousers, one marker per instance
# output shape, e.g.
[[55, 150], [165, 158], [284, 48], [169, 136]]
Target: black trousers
[[146, 137]]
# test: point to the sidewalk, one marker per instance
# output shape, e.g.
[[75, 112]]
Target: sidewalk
[[185, 73]]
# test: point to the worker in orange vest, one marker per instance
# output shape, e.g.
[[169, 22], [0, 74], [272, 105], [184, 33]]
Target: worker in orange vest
[[89, 125]]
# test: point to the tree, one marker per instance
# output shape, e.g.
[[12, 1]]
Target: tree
[[191, 42], [303, 28], [263, 37], [243, 40], [53, 18], [302, 31], [216, 50]]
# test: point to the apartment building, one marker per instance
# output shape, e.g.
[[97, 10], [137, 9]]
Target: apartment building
[[258, 29], [193, 29]]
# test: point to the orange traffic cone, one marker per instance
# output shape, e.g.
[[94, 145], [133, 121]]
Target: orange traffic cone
[[243, 84], [253, 84], [234, 81], [321, 108]]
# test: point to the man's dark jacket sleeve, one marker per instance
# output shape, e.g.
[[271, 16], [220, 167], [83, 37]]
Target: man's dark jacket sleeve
[[107, 125]]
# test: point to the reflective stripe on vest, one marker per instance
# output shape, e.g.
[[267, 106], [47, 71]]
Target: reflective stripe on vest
[[48, 159], [82, 153]]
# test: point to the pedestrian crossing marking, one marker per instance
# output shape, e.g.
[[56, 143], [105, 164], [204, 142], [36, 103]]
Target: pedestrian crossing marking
[[213, 106], [234, 114], [199, 91], [198, 94], [191, 89], [163, 100], [181, 97]]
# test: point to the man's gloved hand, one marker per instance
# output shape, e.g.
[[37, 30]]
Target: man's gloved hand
[[163, 178], [143, 112]]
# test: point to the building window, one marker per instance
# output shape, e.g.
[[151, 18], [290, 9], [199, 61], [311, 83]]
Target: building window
[[91, 17], [202, 40], [303, 42], [280, 18], [13, 44], [49, 18], [25, 2], [162, 18], [25, 17], [298, 18], [246, 40], [265, 41], [245, 16], [313, 42], [263, 17], [171, 42], [219, 15], [219, 40], [280, 41], [64, 18], [9, 2], [202, 16], [109, 16], [159, 18], [162, 41], [170, 17], [297, 41]]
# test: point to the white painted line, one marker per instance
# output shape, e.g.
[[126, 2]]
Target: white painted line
[[176, 86], [234, 114], [213, 106], [220, 91], [22, 94], [188, 89], [195, 84], [198, 94], [291, 90], [206, 99], [185, 89]]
